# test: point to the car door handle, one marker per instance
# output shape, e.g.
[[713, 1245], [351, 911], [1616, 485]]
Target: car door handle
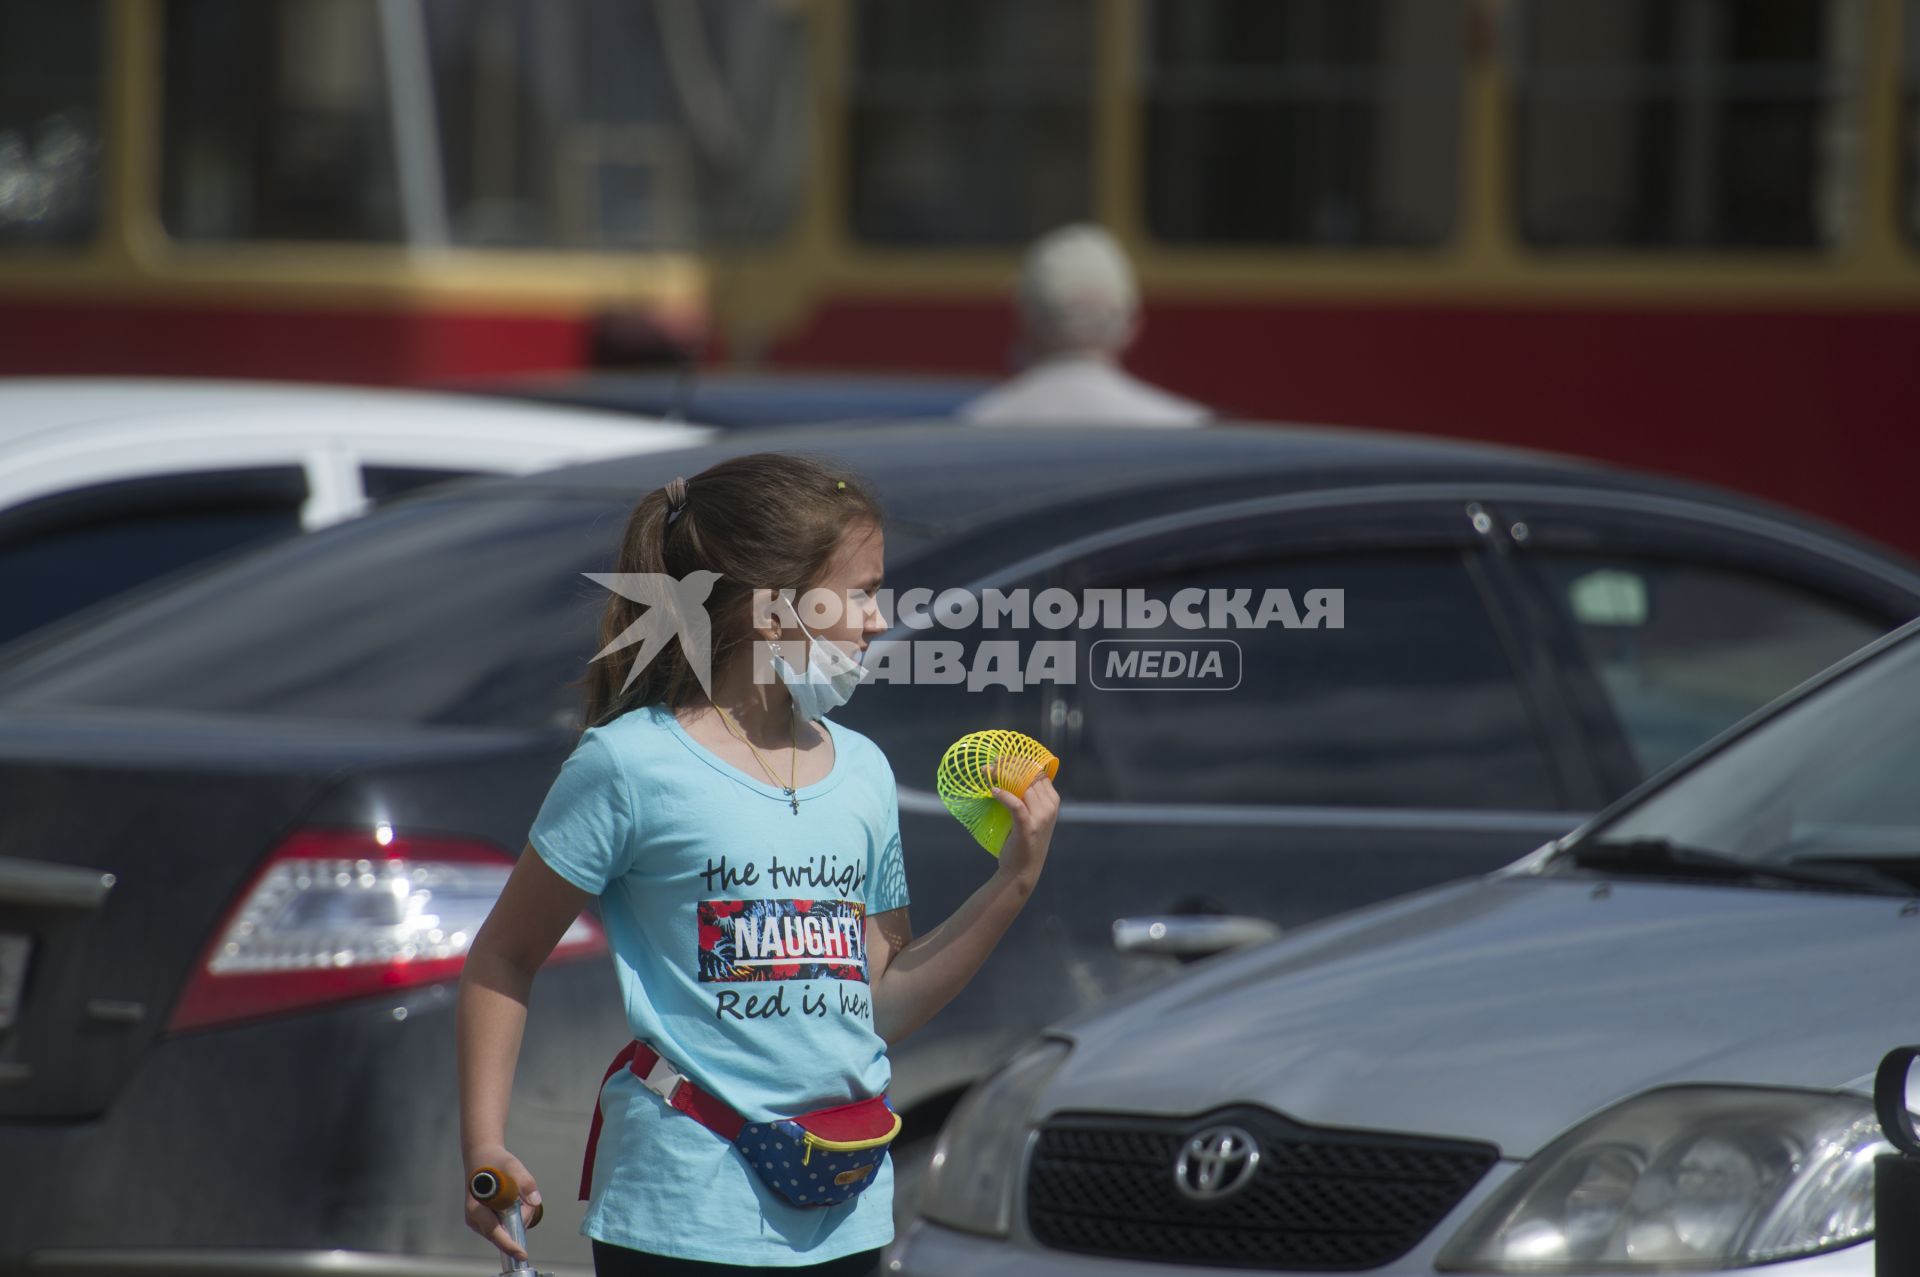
[[1190, 935]]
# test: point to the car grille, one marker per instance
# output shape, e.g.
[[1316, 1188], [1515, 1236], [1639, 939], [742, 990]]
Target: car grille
[[1317, 1201]]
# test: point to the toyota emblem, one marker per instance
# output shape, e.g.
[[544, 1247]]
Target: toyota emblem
[[1216, 1164]]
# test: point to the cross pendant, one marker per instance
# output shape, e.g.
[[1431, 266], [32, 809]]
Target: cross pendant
[[795, 800]]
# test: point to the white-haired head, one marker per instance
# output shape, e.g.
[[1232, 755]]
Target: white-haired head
[[1077, 293]]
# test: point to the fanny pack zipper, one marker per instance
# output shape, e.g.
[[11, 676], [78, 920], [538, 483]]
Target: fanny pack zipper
[[844, 1146]]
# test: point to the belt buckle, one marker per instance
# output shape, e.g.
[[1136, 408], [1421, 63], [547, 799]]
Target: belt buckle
[[662, 1080]]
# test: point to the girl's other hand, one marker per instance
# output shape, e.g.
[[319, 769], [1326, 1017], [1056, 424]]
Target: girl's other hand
[[481, 1217]]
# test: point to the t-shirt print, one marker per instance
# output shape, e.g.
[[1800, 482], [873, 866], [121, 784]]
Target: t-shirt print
[[783, 940]]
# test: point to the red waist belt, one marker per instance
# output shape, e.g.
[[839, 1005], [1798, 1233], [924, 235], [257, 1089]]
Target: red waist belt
[[678, 1090]]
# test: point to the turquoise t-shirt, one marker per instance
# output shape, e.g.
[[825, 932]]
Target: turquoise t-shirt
[[738, 934]]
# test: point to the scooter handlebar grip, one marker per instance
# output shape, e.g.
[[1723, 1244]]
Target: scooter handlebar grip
[[493, 1189]]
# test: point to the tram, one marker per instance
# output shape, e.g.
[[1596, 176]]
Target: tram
[[1675, 234]]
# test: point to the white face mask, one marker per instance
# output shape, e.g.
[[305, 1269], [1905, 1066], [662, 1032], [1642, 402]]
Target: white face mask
[[829, 681]]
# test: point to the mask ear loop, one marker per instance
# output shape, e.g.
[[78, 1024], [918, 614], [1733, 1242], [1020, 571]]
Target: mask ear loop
[[802, 624], [844, 661], [773, 645], [841, 662]]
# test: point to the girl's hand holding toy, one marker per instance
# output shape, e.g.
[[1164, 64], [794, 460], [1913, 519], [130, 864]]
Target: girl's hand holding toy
[[999, 784]]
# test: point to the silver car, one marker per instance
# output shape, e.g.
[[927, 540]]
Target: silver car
[[1648, 1046]]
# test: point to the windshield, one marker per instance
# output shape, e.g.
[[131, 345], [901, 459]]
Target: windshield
[[434, 611], [1830, 780]]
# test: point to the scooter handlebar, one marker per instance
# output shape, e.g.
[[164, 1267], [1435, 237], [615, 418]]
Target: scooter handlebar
[[497, 1191]]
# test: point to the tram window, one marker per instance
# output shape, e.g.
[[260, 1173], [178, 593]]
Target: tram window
[[969, 122], [49, 120], [1910, 156], [492, 123], [1303, 121], [1687, 123], [276, 122], [560, 124]]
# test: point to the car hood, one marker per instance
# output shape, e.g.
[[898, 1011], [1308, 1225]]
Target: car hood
[[1508, 1009]]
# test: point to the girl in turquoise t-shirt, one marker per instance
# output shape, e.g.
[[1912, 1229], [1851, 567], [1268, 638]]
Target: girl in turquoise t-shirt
[[745, 852]]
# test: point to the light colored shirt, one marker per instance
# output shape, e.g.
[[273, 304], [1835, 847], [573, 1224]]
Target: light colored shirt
[[1080, 390], [738, 936]]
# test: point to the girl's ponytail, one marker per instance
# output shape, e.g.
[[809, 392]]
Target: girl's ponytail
[[641, 551]]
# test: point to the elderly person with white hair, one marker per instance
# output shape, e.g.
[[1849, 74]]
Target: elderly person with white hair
[[1079, 310]]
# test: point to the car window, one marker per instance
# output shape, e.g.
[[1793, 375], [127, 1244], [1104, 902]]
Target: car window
[[1829, 778], [1411, 702], [384, 483], [67, 553], [1683, 650], [435, 611]]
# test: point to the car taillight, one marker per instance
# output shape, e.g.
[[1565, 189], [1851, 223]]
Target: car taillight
[[337, 914]]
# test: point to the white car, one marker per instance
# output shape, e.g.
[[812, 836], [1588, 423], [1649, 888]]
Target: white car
[[106, 483]]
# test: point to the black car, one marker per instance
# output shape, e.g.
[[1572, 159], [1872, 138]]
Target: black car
[[246, 825]]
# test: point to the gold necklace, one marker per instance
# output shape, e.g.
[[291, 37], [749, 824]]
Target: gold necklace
[[792, 760]]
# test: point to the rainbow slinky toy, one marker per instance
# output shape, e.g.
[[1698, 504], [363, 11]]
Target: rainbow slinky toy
[[976, 763]]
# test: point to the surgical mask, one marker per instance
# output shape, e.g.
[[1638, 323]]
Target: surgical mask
[[829, 681]]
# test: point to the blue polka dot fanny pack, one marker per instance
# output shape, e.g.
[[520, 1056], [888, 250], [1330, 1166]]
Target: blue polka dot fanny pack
[[822, 1158], [825, 1157]]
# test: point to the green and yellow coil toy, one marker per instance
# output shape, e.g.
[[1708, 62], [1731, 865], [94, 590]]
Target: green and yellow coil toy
[[976, 763]]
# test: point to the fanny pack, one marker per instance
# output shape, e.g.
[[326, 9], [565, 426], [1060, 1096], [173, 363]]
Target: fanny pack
[[822, 1158]]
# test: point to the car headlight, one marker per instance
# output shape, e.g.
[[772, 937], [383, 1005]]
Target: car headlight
[[969, 1183], [1687, 1177]]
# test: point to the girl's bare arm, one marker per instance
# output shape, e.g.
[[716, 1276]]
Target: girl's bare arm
[[913, 978], [534, 910]]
